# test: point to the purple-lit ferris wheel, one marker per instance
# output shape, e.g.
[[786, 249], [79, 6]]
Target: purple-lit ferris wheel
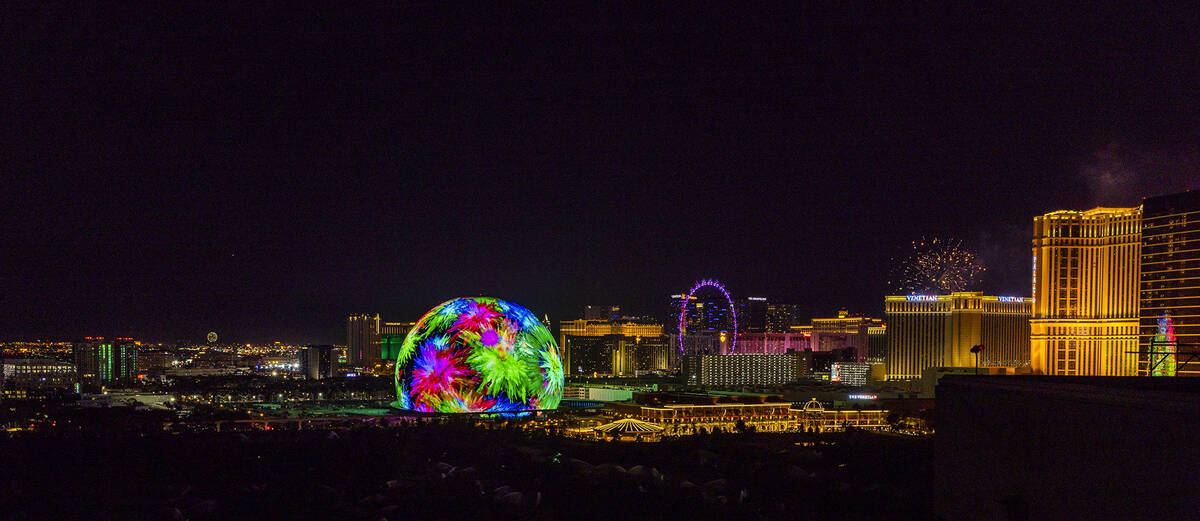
[[688, 298]]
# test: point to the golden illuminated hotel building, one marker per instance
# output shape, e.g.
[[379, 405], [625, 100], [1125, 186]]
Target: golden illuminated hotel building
[[940, 330], [1085, 291], [614, 347]]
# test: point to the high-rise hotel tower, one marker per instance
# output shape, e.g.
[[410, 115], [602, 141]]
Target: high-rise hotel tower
[[1170, 277], [362, 340], [1085, 291]]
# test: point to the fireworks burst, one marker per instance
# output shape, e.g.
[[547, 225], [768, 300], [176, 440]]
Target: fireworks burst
[[936, 266]]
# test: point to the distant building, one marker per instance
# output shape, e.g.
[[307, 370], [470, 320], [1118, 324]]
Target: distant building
[[772, 343], [617, 355], [940, 330], [845, 331], [391, 338], [99, 361], [822, 361], [752, 315], [694, 319], [682, 414], [745, 369], [283, 363], [709, 343], [597, 393], [877, 344], [1085, 292], [707, 311], [619, 348], [316, 362], [156, 360], [781, 317], [1170, 283], [22, 378], [362, 339], [849, 373], [602, 312]]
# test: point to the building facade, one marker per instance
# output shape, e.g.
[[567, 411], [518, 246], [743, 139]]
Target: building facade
[[772, 343], [1085, 292], [707, 311], [316, 362], [844, 332], [940, 330], [618, 355], [99, 361], [745, 369], [781, 317], [752, 315], [22, 378], [391, 337], [362, 340], [1169, 310], [849, 373], [688, 414], [602, 312], [612, 347], [877, 344]]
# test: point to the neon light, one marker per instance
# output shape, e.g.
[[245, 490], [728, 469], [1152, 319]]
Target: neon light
[[862, 397], [478, 354], [1011, 299], [921, 298], [683, 310]]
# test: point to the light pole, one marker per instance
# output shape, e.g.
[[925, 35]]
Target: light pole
[[977, 349]]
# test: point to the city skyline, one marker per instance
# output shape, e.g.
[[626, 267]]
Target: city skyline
[[267, 194], [827, 260]]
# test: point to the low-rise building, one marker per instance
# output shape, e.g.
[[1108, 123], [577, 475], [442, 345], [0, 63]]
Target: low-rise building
[[687, 413], [745, 369], [849, 373], [27, 377]]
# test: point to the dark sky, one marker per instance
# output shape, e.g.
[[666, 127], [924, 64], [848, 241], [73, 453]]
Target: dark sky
[[264, 172]]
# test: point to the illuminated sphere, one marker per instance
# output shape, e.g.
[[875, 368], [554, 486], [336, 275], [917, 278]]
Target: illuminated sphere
[[477, 354]]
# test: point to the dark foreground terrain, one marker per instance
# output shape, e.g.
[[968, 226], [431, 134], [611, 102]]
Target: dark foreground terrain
[[452, 472]]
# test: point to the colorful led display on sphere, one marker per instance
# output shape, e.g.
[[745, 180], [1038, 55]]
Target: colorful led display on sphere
[[478, 354]]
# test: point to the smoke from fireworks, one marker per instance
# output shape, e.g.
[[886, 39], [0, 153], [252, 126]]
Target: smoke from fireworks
[[936, 266]]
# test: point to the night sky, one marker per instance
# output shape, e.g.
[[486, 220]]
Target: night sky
[[265, 172]]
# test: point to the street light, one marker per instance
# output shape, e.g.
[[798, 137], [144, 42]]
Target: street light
[[977, 349]]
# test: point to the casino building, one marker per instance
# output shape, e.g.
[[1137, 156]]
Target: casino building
[[686, 413], [846, 331], [940, 330], [1085, 292], [746, 369], [617, 348]]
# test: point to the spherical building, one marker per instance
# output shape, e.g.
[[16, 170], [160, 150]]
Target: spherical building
[[477, 354]]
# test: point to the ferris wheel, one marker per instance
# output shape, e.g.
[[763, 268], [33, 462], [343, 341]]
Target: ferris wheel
[[684, 305]]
